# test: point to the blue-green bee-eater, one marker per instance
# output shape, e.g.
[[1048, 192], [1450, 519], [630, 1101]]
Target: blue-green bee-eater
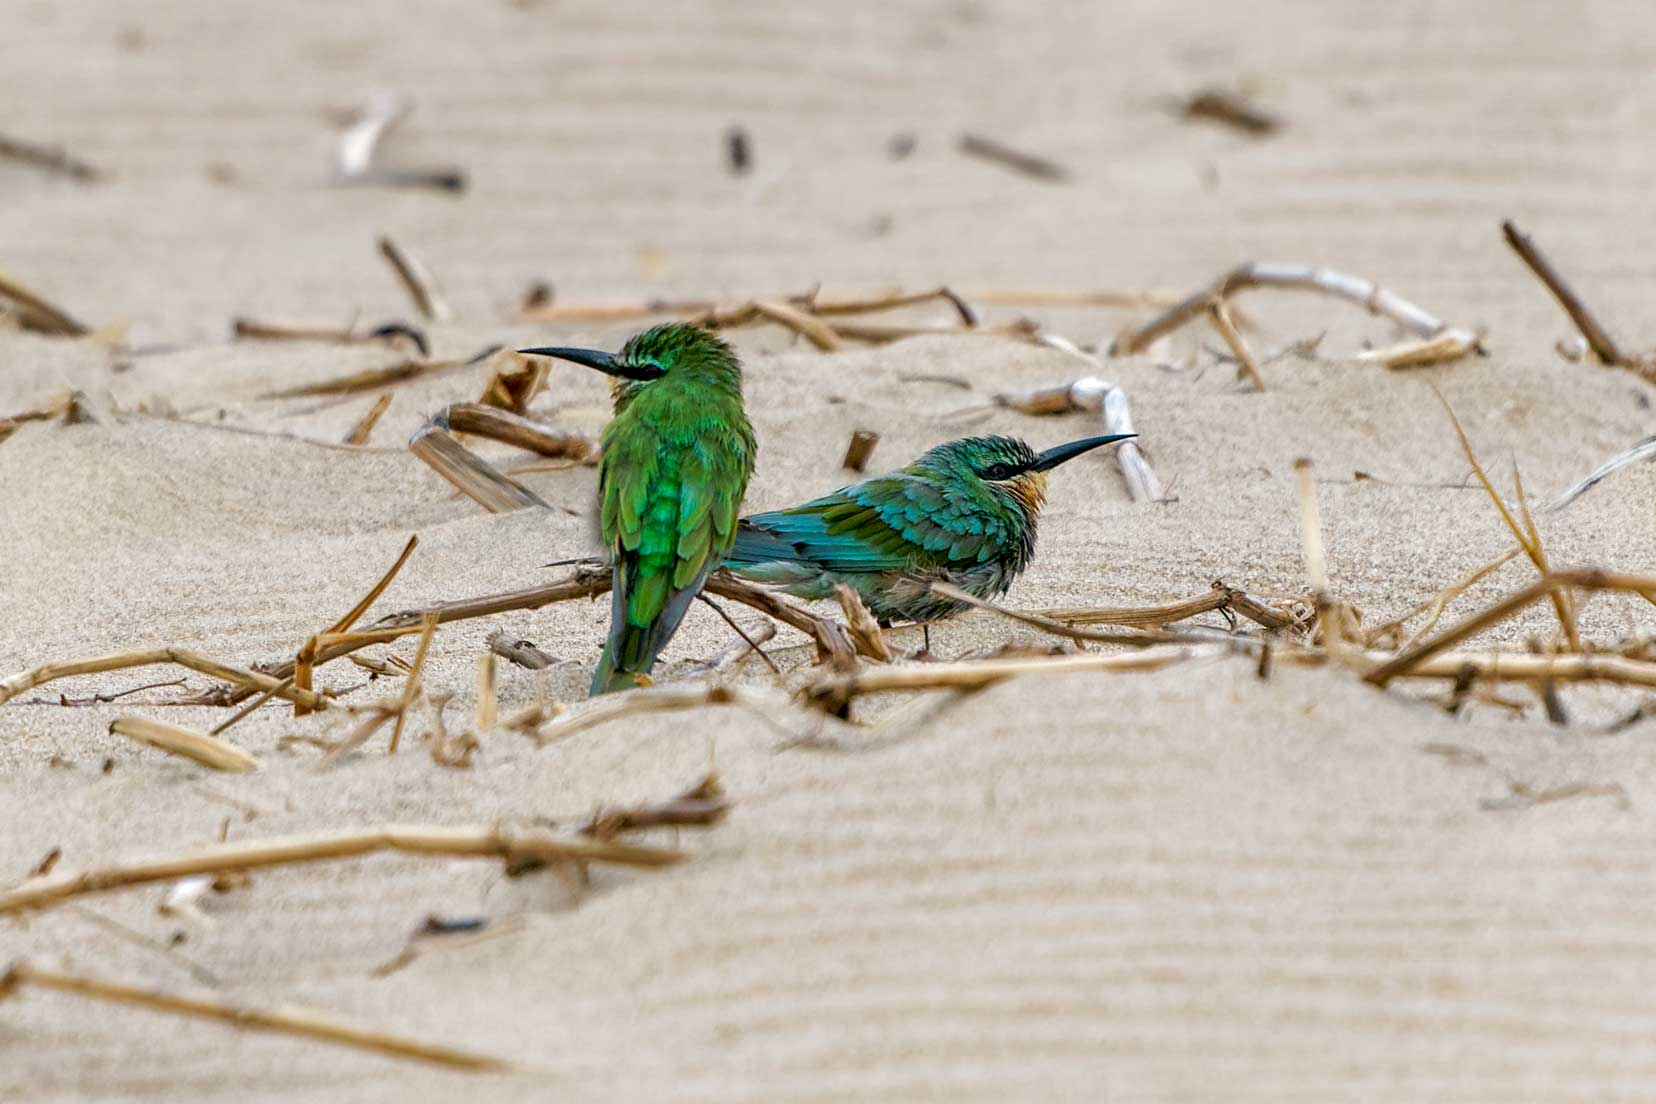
[[677, 456], [964, 513]]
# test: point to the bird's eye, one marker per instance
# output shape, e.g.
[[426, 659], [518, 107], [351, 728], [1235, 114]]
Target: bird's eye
[[999, 471]]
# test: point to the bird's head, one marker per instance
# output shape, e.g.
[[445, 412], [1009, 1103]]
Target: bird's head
[[679, 349], [1006, 468]]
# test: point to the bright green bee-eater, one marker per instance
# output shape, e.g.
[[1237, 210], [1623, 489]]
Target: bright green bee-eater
[[677, 456], [964, 513]]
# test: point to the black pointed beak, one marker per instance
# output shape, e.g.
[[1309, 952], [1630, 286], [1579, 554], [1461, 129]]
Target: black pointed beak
[[597, 358], [1057, 454]]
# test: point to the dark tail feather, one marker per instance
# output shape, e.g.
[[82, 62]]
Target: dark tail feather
[[757, 545], [632, 649]]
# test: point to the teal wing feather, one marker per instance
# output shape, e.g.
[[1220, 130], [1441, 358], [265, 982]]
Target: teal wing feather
[[669, 503], [889, 523]]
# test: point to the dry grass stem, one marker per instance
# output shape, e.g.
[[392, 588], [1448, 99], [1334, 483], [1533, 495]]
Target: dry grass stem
[[1230, 109], [858, 451], [416, 280], [1122, 300], [1527, 537], [1300, 277], [207, 750], [860, 625], [701, 806], [224, 725], [1644, 450], [1434, 606], [488, 703], [254, 681], [411, 688], [834, 689], [1057, 628], [1450, 345], [286, 1021], [1603, 345], [654, 699], [1246, 365], [1219, 599], [814, 330], [53, 159], [752, 644], [365, 425], [507, 427], [987, 149], [252, 330], [469, 473], [371, 379], [513, 844], [521, 652], [36, 313]]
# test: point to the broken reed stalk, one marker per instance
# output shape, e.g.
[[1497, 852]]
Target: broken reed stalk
[[469, 473], [416, 280], [50, 158], [523, 653], [858, 451], [987, 149], [488, 704], [207, 750], [752, 644], [860, 624], [286, 1021], [1331, 615], [1435, 604], [701, 806], [835, 689], [508, 427], [1230, 109], [371, 379], [1644, 450], [365, 425], [1554, 581], [254, 681], [654, 699], [1603, 345], [513, 845], [38, 314], [1057, 628], [1528, 537], [1220, 598], [1299, 277], [411, 685], [1246, 365], [814, 330], [304, 662]]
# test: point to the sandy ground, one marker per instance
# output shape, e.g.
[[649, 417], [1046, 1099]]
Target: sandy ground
[[1176, 885]]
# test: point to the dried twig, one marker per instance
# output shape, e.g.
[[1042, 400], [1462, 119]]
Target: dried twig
[[469, 473], [1603, 345], [255, 681], [365, 425], [1434, 605], [1230, 109], [654, 699], [372, 379], [488, 704], [1450, 345], [521, 652], [411, 687], [51, 158], [207, 750], [249, 329], [860, 449], [860, 624], [701, 806], [416, 280], [38, 314], [1219, 315], [814, 330], [988, 149], [496, 424], [1220, 598], [1301, 277], [1644, 450], [752, 644], [285, 1021], [513, 844]]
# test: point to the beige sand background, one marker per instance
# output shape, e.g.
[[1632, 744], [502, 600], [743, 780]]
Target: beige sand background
[[1184, 885]]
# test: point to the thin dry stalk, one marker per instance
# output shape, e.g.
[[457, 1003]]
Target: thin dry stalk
[[860, 624], [488, 708], [814, 330], [497, 424], [1527, 537], [1123, 300], [469, 473], [37, 313], [1603, 345], [1582, 579], [371, 379], [416, 280], [859, 450], [1056, 628], [1447, 346], [837, 688], [224, 725], [1230, 109], [1435, 605], [1246, 366], [701, 806], [54, 159], [1027, 164], [255, 681], [1644, 450], [253, 330], [304, 662], [513, 844], [284, 1021], [521, 652], [652, 699], [411, 687], [207, 750], [752, 644], [828, 307], [365, 425], [1221, 598], [1300, 277]]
